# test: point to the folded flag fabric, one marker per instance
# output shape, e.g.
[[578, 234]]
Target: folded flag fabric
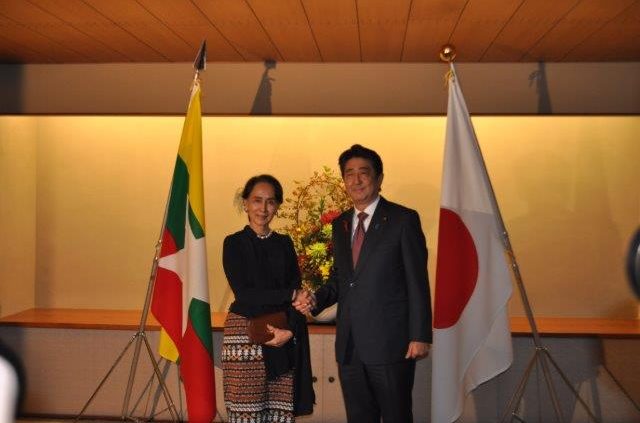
[[181, 292], [472, 339]]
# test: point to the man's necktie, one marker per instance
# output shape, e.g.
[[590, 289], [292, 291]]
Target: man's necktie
[[358, 238]]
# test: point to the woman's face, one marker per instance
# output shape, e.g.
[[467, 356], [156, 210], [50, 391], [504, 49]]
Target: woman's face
[[261, 205]]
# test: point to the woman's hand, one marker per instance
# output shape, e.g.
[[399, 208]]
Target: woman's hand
[[280, 336], [304, 301]]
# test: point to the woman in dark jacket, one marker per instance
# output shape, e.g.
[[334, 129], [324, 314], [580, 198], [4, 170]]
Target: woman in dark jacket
[[268, 382]]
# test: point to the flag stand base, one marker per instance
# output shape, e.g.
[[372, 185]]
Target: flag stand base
[[543, 357], [139, 337]]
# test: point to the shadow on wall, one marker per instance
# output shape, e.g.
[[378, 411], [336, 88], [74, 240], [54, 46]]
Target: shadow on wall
[[575, 251], [11, 88], [539, 77], [262, 101]]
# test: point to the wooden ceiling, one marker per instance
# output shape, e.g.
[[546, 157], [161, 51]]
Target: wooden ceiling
[[107, 31]]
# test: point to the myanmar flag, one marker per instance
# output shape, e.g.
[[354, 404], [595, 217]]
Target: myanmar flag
[[181, 292]]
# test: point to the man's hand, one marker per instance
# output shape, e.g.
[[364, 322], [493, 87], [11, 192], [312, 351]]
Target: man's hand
[[280, 336], [304, 301], [417, 350]]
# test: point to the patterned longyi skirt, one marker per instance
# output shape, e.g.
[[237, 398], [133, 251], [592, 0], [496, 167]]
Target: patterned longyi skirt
[[248, 396]]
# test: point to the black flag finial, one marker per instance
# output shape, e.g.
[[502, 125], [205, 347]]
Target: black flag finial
[[200, 64]]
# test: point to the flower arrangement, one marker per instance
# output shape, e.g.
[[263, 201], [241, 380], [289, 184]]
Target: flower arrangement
[[313, 205]]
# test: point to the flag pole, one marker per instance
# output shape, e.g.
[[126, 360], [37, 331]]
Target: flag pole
[[541, 353], [140, 336], [199, 65]]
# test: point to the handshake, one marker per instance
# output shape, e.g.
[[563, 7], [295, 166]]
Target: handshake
[[304, 300]]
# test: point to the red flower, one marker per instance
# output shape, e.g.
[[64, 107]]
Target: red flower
[[329, 216]]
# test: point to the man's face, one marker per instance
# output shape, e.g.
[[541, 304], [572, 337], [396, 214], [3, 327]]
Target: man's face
[[361, 182]]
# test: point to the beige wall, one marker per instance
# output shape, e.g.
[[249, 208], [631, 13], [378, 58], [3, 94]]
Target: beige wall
[[322, 88], [567, 186], [17, 213]]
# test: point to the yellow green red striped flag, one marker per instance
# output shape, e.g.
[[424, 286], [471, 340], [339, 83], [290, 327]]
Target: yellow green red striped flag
[[181, 291]]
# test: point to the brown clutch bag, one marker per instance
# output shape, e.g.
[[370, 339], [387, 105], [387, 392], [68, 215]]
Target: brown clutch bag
[[257, 328]]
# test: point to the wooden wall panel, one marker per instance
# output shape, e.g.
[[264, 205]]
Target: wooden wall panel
[[80, 15], [334, 24], [12, 52], [59, 31], [431, 23], [528, 25], [288, 26], [101, 31], [580, 23], [383, 25], [617, 40], [480, 23], [237, 21], [190, 24], [594, 365], [136, 20], [48, 49]]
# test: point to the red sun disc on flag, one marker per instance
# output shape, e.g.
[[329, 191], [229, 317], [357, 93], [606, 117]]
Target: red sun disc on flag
[[457, 269]]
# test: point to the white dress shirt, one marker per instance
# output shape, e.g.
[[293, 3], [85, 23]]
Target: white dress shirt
[[369, 210]]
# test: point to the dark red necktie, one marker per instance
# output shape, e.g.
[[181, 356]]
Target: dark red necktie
[[358, 238]]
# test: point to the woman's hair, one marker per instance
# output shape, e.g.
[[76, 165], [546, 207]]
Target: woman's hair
[[254, 180]]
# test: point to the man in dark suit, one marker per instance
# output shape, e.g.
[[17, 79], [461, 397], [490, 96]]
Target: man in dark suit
[[380, 283]]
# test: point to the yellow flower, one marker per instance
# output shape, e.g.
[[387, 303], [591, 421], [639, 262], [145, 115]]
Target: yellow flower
[[325, 269], [317, 250], [327, 230]]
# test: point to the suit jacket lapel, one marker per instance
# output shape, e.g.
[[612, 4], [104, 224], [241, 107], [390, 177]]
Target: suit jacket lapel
[[372, 236], [346, 236]]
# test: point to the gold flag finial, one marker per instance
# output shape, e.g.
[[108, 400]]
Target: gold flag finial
[[448, 53]]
